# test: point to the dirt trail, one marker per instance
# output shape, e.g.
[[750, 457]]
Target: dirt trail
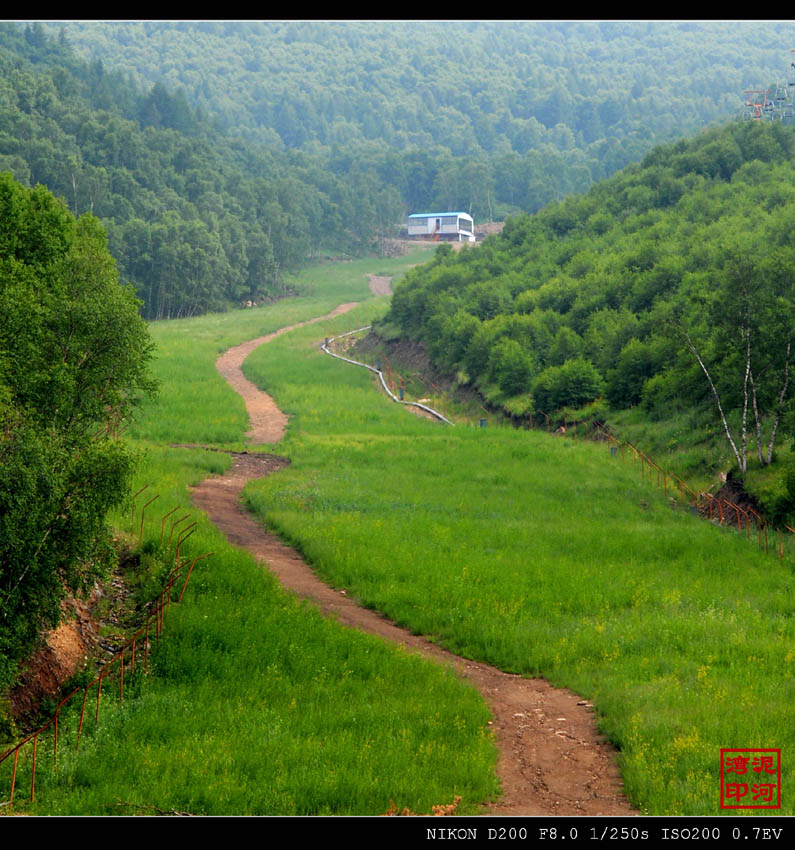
[[268, 423], [552, 759], [380, 285]]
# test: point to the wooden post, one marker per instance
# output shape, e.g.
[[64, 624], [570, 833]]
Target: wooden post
[[13, 778], [55, 744], [134, 497], [163, 523]]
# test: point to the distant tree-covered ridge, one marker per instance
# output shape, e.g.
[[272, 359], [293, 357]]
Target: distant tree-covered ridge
[[208, 202], [486, 116], [669, 285], [195, 221]]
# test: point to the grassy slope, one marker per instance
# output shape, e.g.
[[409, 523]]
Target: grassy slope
[[541, 556], [258, 705], [534, 553], [684, 445]]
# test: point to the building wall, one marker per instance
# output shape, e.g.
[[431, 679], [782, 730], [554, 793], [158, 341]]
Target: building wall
[[448, 227]]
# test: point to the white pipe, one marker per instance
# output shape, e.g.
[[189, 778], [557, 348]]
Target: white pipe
[[380, 374]]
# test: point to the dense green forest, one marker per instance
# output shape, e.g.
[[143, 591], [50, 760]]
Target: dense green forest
[[224, 165], [195, 220], [668, 286], [221, 155], [209, 196], [484, 116]]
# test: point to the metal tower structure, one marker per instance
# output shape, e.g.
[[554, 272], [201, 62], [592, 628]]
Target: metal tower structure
[[774, 104]]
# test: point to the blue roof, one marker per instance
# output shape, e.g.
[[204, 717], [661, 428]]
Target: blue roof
[[437, 215]]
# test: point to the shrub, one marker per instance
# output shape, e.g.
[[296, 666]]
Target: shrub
[[573, 384]]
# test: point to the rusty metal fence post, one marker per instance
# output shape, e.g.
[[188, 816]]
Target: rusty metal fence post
[[704, 502], [56, 721]]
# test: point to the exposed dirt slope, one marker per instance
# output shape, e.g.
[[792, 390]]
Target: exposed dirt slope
[[552, 758], [66, 650]]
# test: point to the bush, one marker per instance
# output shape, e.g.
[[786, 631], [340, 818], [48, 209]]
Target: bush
[[511, 366], [660, 395], [634, 367], [573, 384]]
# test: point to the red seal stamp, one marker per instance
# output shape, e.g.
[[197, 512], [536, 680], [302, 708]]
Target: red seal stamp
[[750, 779]]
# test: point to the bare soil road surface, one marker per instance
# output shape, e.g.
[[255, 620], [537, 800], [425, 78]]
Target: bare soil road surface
[[380, 285], [552, 759]]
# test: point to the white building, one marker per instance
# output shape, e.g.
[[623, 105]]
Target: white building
[[449, 226]]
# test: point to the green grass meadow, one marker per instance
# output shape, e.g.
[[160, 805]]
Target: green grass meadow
[[542, 556], [254, 703], [537, 554]]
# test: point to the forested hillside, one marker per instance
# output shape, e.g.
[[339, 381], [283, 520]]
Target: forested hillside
[[483, 116], [196, 221], [221, 155], [668, 286]]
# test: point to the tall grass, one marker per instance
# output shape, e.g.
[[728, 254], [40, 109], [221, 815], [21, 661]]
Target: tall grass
[[542, 556], [537, 554], [255, 704]]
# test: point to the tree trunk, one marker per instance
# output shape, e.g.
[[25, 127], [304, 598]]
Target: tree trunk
[[740, 460], [757, 421], [780, 402], [745, 332]]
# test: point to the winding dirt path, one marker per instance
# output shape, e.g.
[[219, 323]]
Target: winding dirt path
[[268, 423], [552, 759]]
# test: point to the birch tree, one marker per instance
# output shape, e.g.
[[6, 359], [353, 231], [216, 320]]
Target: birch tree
[[742, 343]]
